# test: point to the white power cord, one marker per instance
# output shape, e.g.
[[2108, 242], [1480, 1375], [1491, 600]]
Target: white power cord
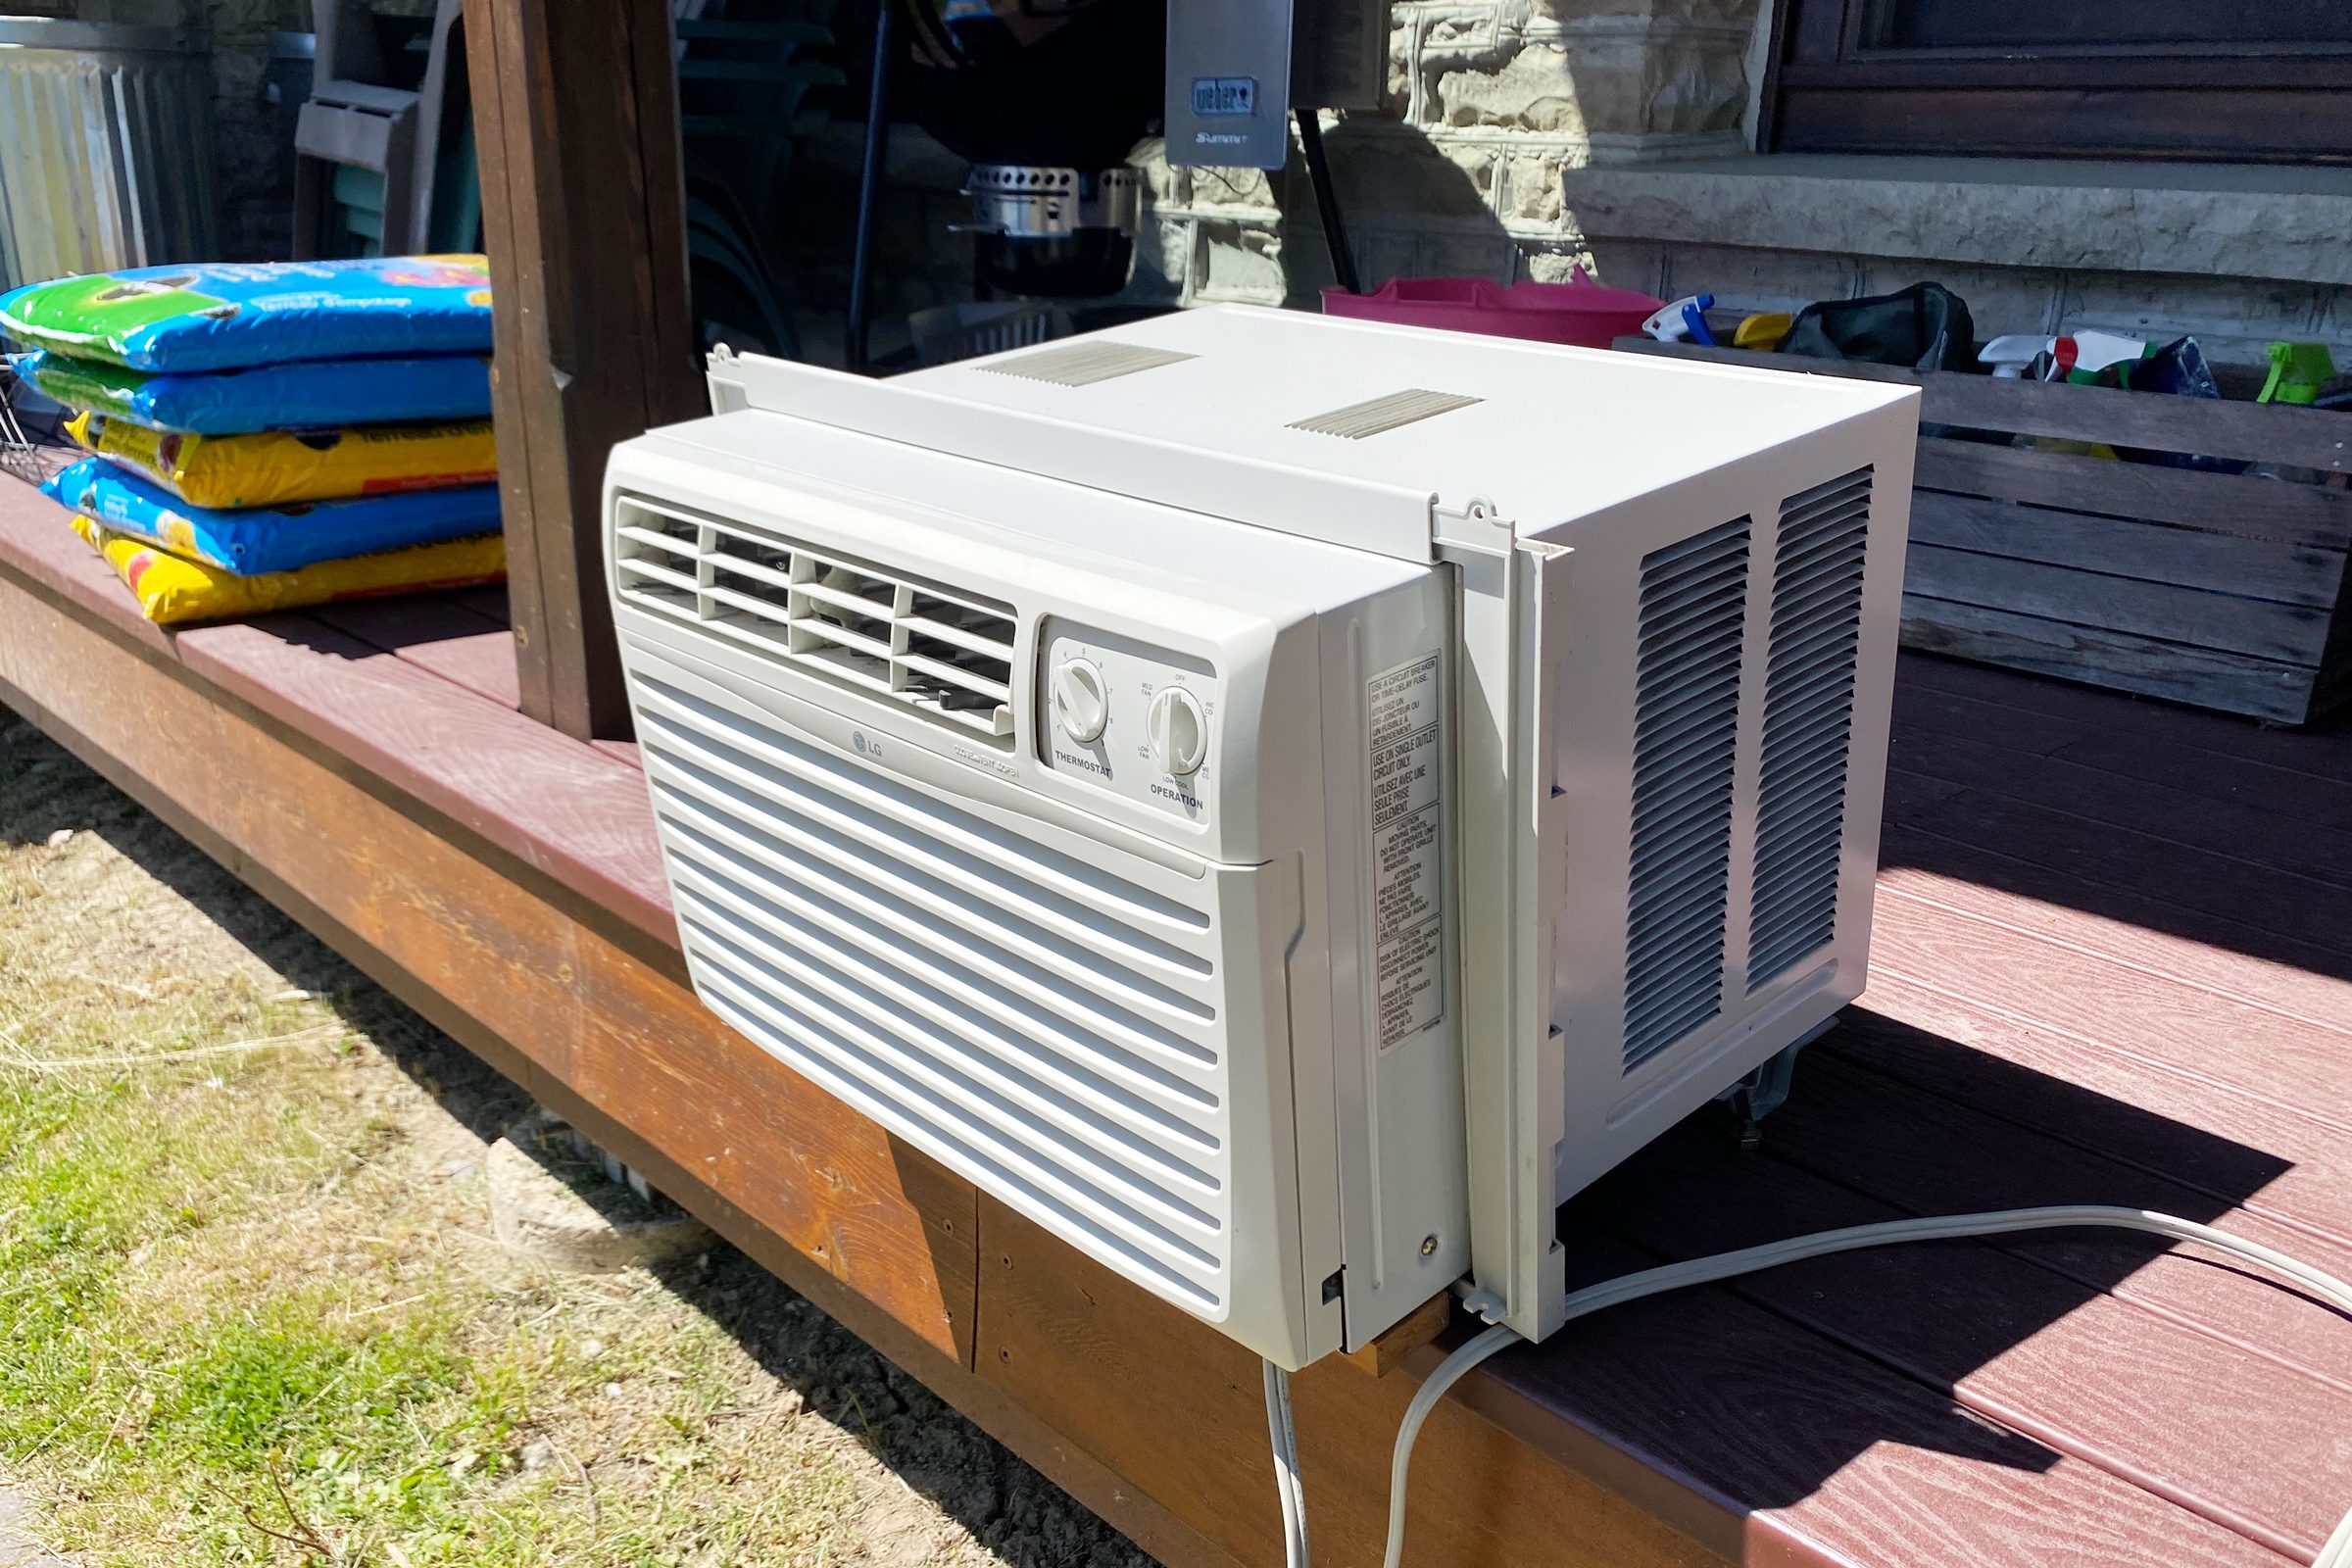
[[2336, 1553], [1286, 1467]]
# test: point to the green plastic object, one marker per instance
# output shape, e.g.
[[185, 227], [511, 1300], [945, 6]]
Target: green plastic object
[[2298, 370]]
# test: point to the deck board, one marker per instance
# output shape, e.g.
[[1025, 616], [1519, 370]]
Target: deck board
[[2216, 1036], [2208, 820], [2301, 913], [2130, 925], [2104, 973], [2087, 1092], [2158, 725], [1927, 1154], [1859, 1461], [448, 637], [1949, 1316], [2296, 793]]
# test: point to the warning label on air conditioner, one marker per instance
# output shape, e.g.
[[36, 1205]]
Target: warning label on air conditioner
[[1408, 864]]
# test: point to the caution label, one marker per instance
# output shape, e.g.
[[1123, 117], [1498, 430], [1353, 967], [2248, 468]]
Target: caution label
[[1408, 850]]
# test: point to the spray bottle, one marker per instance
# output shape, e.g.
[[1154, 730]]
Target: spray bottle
[[2077, 357], [1683, 321], [2298, 370]]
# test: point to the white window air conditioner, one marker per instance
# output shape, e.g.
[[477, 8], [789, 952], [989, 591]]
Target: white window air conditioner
[[1280, 803]]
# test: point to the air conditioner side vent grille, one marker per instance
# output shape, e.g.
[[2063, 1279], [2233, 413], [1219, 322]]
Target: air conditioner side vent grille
[[1809, 723], [942, 652], [1694, 612]]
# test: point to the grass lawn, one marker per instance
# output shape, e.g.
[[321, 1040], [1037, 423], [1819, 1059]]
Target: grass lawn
[[251, 1310]]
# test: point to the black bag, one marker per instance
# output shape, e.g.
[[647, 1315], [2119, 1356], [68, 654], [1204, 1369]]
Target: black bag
[[1924, 327]]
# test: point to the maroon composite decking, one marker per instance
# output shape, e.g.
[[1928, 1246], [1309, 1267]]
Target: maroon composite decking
[[2112, 963]]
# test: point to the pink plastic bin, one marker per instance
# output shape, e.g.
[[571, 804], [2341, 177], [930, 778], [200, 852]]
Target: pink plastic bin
[[1584, 313]]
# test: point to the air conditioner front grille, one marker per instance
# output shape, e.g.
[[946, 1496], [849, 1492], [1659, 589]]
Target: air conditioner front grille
[[1041, 1024], [1694, 612], [1809, 723], [930, 648]]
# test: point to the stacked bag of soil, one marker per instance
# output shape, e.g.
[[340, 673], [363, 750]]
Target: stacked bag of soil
[[267, 437]]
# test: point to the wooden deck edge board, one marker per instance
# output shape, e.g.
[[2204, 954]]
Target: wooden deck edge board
[[649, 929], [483, 785]]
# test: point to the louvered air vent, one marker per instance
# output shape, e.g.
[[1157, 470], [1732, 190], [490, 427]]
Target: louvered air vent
[[1044, 1025], [1808, 721], [1373, 416], [942, 652], [1686, 728], [1084, 363]]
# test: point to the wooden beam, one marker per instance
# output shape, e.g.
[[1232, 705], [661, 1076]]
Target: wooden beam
[[2258, 432], [2301, 515], [2208, 677], [583, 211]]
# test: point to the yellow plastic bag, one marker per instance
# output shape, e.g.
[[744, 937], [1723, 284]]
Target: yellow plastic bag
[[281, 467], [170, 591]]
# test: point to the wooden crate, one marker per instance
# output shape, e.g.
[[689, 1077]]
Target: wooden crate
[[2226, 591]]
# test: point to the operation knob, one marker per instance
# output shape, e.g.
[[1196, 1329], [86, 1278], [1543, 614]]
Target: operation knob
[[1178, 731], [1081, 700]]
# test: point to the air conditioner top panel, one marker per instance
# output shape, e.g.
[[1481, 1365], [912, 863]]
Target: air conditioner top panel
[[1547, 433]]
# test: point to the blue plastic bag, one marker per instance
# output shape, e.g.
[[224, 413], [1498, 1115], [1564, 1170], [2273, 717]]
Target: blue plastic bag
[[302, 396], [225, 317], [260, 540]]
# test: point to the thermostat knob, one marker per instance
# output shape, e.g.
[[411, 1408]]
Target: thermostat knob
[[1081, 704], [1178, 731]]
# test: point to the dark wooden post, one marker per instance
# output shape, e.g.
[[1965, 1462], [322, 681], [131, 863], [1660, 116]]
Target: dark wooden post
[[583, 209]]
